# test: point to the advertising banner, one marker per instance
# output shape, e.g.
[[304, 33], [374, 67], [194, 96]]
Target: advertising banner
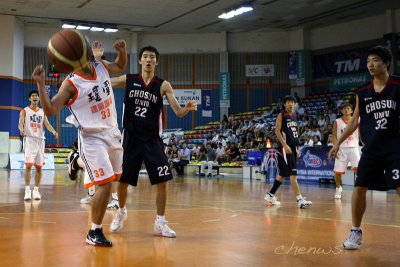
[[184, 95], [206, 103]]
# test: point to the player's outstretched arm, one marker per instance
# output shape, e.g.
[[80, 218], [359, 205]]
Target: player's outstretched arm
[[118, 82], [51, 107], [166, 89], [21, 123], [49, 127], [119, 65]]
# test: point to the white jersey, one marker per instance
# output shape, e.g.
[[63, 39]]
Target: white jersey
[[34, 122], [93, 105], [352, 140]]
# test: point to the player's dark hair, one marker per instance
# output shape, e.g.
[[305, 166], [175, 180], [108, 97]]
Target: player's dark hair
[[288, 98], [384, 53], [347, 104], [150, 49], [33, 92]]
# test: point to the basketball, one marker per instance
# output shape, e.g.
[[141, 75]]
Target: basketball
[[68, 50]]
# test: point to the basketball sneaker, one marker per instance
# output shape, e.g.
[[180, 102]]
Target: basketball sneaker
[[97, 238], [161, 228], [303, 203], [271, 199], [338, 193], [36, 195], [119, 219], [354, 241], [113, 204], [87, 199], [28, 194], [73, 166]]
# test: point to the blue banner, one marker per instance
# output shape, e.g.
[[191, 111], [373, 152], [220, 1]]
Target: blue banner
[[206, 103], [340, 63], [296, 64], [313, 163]]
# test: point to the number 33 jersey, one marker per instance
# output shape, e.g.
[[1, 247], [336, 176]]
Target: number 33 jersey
[[143, 107], [93, 105], [380, 119]]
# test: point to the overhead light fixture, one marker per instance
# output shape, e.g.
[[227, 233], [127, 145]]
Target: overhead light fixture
[[93, 26], [82, 27], [110, 30], [236, 12], [68, 26], [96, 29]]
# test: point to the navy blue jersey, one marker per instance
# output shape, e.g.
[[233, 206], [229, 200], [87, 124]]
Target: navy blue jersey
[[142, 107], [289, 128], [380, 119]]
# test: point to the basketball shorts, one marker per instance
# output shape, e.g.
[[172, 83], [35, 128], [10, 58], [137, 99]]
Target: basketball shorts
[[346, 155], [151, 153], [287, 163], [34, 151], [380, 175], [102, 156]]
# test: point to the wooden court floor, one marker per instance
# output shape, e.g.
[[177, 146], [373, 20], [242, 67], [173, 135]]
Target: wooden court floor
[[219, 222]]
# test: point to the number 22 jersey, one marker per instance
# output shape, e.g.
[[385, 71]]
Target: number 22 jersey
[[143, 107]]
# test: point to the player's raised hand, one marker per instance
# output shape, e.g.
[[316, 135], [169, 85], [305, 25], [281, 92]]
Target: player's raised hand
[[191, 105], [38, 74], [120, 45], [97, 49]]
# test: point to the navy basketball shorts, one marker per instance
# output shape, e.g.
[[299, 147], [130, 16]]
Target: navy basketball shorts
[[287, 163], [380, 175], [151, 153]]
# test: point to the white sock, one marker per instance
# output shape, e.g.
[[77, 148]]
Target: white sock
[[356, 228], [299, 197], [96, 226], [27, 188], [122, 209], [92, 190], [161, 218], [36, 188], [115, 196]]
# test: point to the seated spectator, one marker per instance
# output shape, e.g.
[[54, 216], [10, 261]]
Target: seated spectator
[[184, 158], [231, 138], [329, 103], [300, 111], [215, 137], [315, 131], [332, 116], [306, 131], [195, 151], [321, 121], [317, 140], [220, 152], [202, 153], [221, 140], [234, 154], [211, 160], [259, 127], [173, 155], [173, 140], [326, 131], [308, 141]]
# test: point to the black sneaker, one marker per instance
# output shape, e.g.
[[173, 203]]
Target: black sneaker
[[73, 166], [97, 238]]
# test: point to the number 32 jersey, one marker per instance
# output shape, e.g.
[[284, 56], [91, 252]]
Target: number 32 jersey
[[380, 119], [143, 107]]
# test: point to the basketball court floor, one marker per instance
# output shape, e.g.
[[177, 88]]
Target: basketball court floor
[[219, 222]]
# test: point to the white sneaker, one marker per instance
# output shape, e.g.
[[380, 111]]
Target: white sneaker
[[303, 203], [113, 204], [36, 195], [338, 193], [118, 221], [28, 194], [87, 199], [270, 198], [354, 241], [161, 228]]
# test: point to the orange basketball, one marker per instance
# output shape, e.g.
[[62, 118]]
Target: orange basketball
[[69, 50]]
